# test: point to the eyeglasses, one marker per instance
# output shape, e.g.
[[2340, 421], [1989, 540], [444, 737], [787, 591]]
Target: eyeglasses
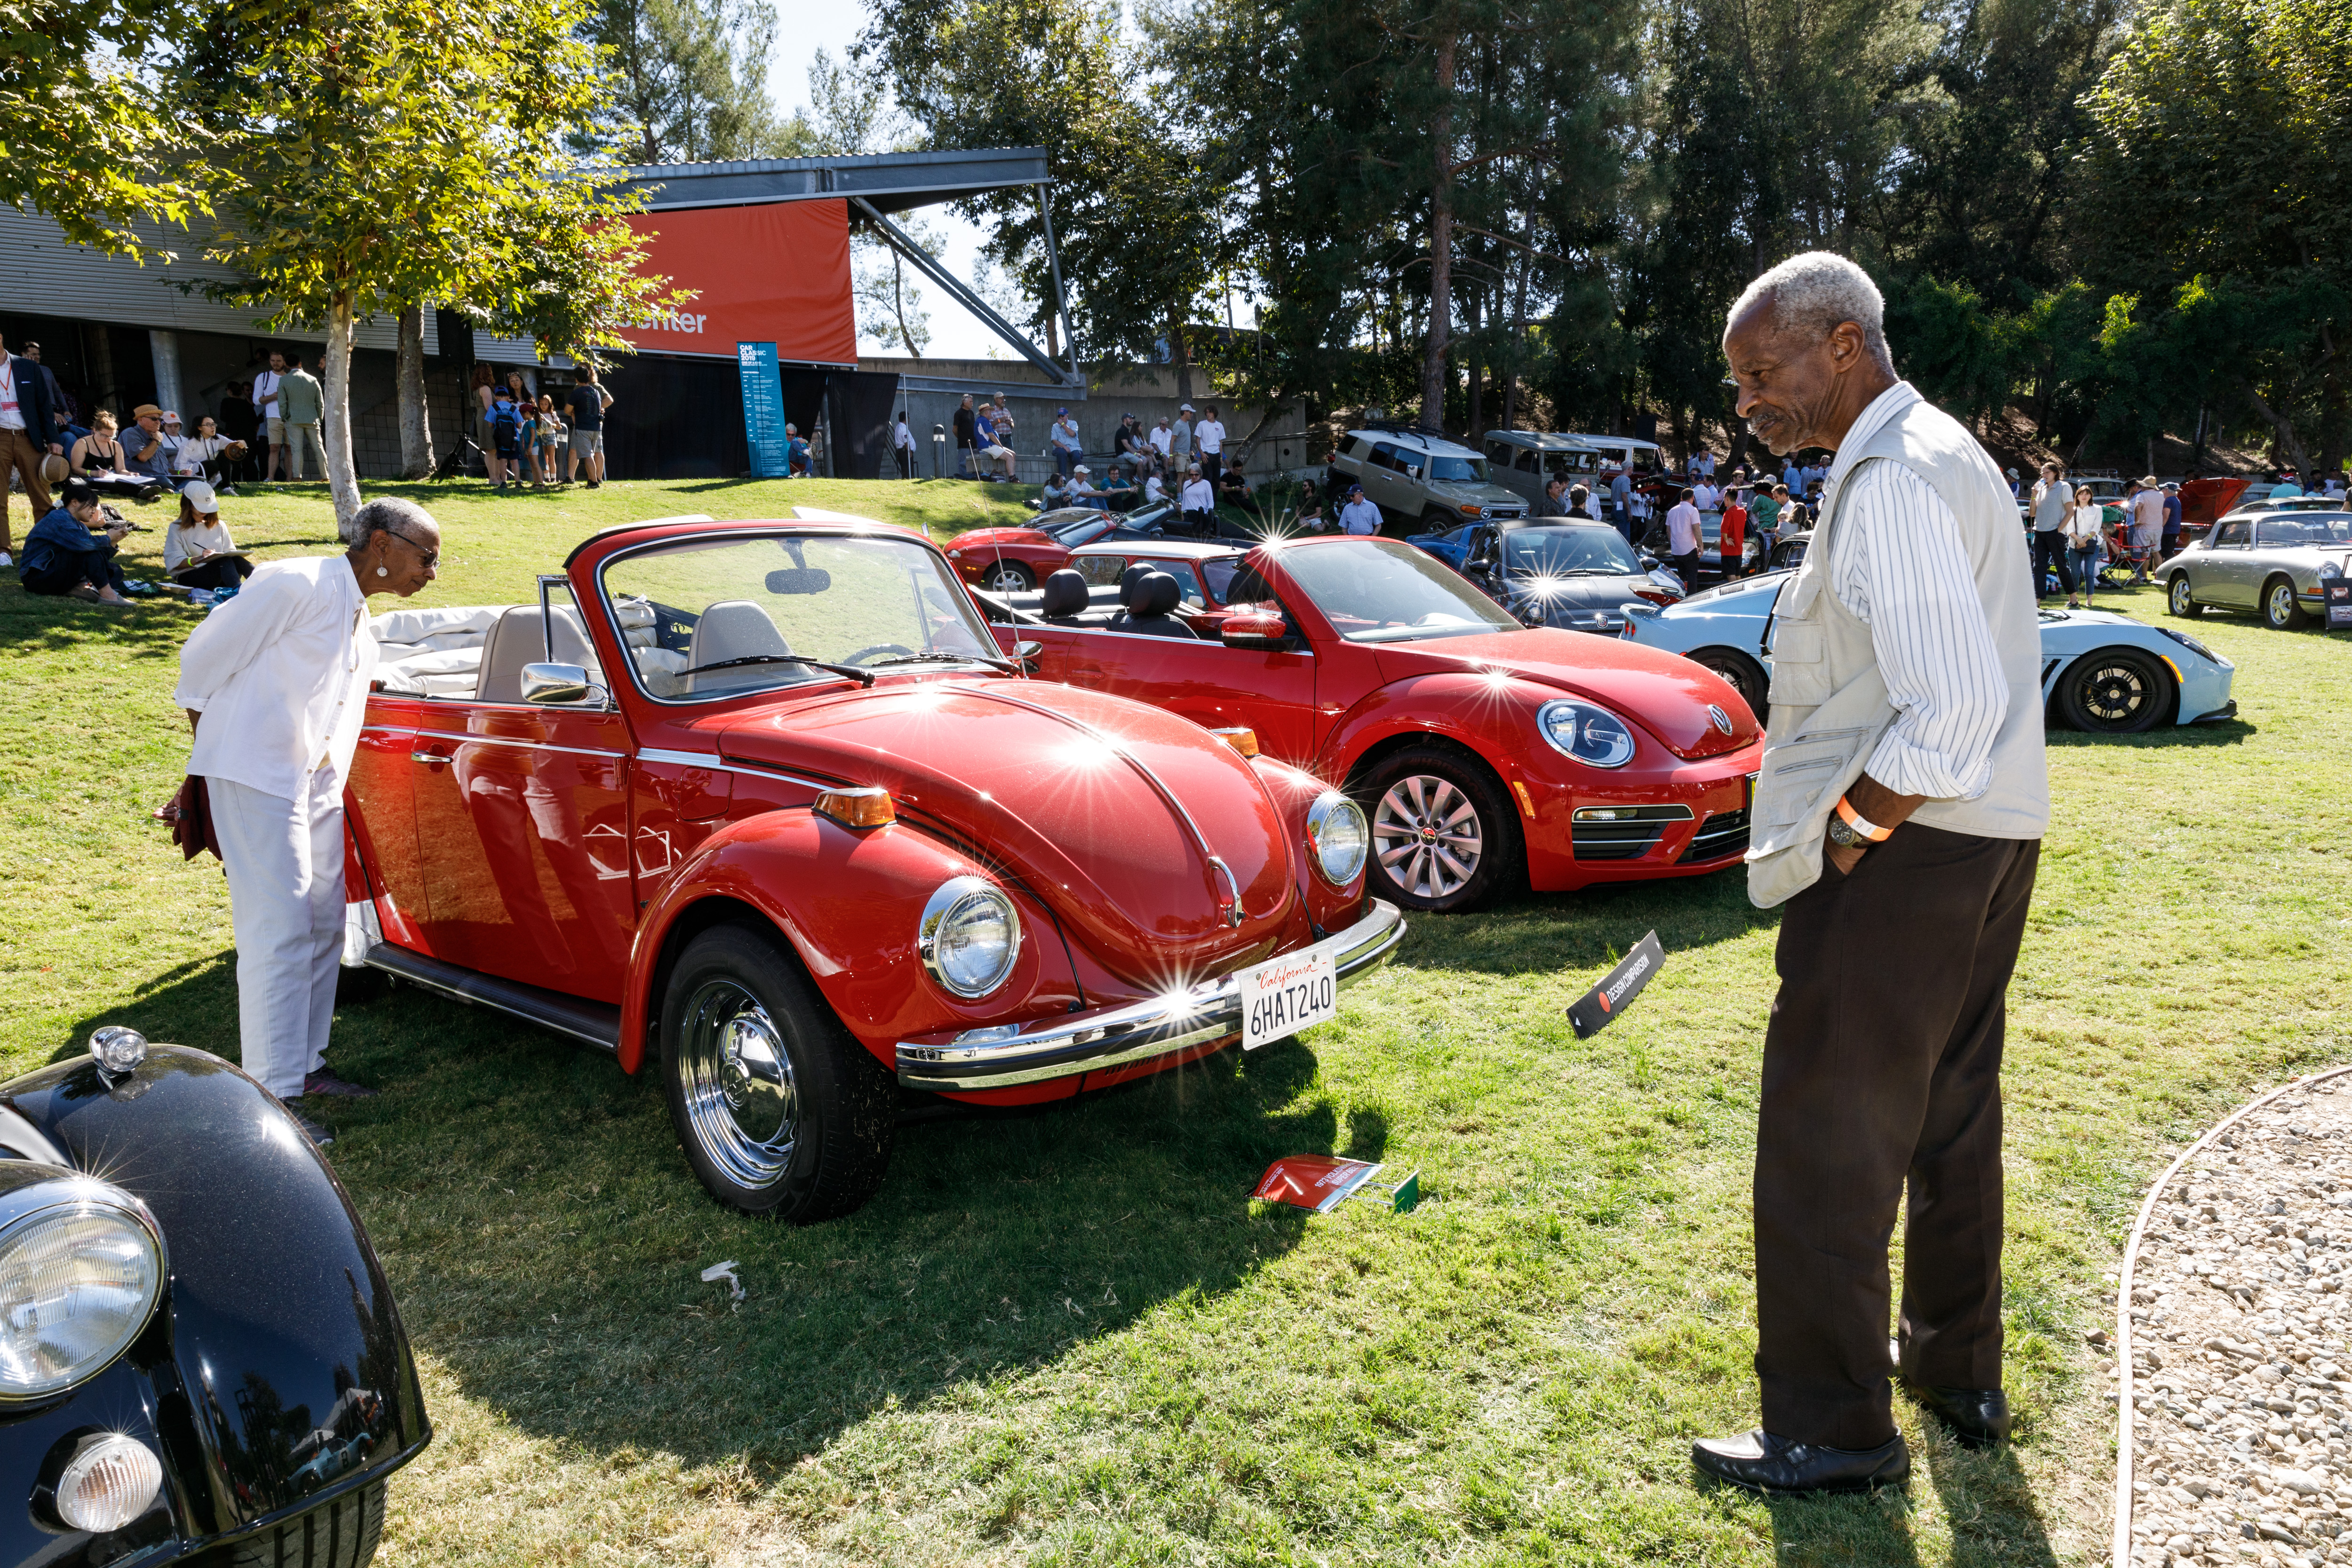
[[428, 558]]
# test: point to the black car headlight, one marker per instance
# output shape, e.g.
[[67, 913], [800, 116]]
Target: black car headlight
[[1337, 837], [80, 1269], [970, 935], [2191, 644], [1590, 734]]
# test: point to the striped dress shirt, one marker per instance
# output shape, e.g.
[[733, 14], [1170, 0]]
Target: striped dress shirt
[[1895, 561]]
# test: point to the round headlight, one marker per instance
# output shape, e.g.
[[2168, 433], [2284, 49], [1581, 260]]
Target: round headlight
[[969, 936], [78, 1278], [1586, 733], [1338, 838], [108, 1484]]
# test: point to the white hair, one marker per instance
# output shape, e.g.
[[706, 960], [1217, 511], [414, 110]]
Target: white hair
[[1815, 293]]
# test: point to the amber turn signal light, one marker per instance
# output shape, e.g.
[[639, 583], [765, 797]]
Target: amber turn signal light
[[1240, 740], [867, 807]]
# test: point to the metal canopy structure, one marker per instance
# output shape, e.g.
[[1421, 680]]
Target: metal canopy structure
[[876, 186]]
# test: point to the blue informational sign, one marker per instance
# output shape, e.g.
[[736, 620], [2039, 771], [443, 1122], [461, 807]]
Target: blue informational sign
[[763, 411]]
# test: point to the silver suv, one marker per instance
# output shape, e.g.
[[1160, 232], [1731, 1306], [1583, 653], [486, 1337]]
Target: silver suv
[[1419, 479]]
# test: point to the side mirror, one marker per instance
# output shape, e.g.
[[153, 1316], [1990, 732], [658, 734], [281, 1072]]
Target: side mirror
[[555, 683], [1027, 651], [1265, 633]]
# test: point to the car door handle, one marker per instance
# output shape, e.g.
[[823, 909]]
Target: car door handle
[[428, 756]]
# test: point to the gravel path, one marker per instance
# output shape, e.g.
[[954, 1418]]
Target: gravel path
[[2240, 1304]]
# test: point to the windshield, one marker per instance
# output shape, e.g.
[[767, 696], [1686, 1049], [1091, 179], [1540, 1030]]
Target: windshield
[[1566, 551], [1381, 590], [1458, 470], [747, 603], [1078, 531], [2303, 531], [1220, 575]]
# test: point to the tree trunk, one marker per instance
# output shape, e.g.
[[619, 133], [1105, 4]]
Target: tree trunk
[[342, 481], [1477, 367], [1519, 326], [416, 415], [1738, 454], [1441, 245], [2289, 443], [1176, 353]]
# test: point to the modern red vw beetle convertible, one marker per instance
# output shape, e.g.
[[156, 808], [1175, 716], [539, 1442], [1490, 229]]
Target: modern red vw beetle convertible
[[761, 801], [1488, 755]]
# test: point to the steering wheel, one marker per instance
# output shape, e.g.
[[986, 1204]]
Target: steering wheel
[[865, 653]]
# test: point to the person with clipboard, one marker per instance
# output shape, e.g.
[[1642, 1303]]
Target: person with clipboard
[[197, 551]]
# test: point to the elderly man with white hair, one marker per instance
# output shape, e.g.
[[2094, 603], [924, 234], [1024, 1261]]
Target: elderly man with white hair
[[1898, 818], [275, 684]]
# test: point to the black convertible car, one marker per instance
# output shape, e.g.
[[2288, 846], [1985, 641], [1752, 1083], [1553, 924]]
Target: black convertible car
[[200, 1360]]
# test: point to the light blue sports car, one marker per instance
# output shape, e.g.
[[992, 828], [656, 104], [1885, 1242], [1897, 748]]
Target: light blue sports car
[[2101, 672]]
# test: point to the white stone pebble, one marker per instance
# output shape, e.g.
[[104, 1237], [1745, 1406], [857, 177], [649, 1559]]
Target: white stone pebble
[[2242, 1300]]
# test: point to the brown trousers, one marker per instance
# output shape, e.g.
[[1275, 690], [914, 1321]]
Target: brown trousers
[[21, 455], [1881, 1063]]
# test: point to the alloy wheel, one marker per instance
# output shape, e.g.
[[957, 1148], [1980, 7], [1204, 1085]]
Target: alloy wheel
[[736, 1077], [1428, 836], [1007, 578], [2115, 694], [2279, 607], [2183, 601]]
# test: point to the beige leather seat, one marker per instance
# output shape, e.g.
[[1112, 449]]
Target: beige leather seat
[[517, 640], [731, 628]]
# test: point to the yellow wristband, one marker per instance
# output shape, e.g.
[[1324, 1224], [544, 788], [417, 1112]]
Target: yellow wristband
[[1861, 827]]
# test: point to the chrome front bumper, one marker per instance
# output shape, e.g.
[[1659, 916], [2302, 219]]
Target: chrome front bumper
[[1088, 1042]]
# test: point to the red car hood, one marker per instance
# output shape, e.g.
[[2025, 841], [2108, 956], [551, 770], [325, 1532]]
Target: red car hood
[[1664, 693], [998, 537], [1014, 769]]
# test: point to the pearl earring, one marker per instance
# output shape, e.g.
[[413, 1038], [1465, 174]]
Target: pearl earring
[[383, 572]]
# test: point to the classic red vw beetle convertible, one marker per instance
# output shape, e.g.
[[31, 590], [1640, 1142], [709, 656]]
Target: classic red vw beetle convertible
[[762, 802], [1488, 755]]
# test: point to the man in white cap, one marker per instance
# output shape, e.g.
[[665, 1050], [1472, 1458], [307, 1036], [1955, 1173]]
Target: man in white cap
[[2148, 524]]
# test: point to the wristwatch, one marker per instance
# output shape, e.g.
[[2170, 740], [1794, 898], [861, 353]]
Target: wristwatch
[[1849, 830], [1843, 837]]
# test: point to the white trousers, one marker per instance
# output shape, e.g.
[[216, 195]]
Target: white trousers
[[285, 862]]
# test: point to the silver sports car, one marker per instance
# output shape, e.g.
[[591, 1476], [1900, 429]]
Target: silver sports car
[[2276, 563]]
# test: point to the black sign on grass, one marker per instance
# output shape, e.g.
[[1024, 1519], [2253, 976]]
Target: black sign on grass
[[1591, 1012]]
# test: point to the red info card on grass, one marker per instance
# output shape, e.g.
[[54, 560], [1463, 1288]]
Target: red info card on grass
[[1319, 1182]]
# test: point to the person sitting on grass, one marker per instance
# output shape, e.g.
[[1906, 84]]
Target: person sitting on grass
[[1055, 493], [1082, 486], [1118, 490], [70, 552], [197, 551], [796, 453], [1155, 488], [1233, 486]]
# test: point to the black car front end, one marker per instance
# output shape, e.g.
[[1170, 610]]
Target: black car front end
[[200, 1358]]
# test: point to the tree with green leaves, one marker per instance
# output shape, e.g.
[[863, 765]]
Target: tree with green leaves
[[80, 127], [689, 82], [366, 155], [2216, 180]]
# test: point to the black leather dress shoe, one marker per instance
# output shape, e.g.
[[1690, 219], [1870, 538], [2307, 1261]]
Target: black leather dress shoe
[[1977, 1417], [1772, 1465]]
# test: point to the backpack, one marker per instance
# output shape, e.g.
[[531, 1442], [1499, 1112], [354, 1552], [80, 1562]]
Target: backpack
[[505, 423]]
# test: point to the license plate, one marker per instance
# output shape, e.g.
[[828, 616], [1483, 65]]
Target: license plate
[[1287, 994]]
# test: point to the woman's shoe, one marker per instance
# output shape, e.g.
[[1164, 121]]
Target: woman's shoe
[[2074, 604]]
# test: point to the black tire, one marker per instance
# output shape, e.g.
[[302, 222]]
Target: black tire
[[1739, 672], [1441, 862], [2279, 611], [1007, 577], [342, 1533], [2116, 691], [806, 1140], [2180, 598]]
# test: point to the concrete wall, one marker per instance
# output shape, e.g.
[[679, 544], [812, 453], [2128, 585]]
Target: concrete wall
[[1147, 390]]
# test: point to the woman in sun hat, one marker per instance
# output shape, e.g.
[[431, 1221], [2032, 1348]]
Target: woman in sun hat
[[197, 551]]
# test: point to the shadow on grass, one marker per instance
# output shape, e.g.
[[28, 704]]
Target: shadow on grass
[[546, 1238], [1867, 1529], [1990, 1502], [1589, 929], [2172, 737]]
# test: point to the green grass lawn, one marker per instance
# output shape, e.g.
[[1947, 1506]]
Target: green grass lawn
[[1070, 1338]]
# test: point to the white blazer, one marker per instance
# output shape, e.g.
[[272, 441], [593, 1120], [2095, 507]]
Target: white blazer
[[280, 674]]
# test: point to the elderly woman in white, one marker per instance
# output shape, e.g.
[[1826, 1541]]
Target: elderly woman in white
[[275, 684]]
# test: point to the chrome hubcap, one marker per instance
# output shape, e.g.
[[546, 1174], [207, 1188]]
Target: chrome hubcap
[[2282, 603], [1428, 836], [740, 1097], [2112, 694], [2181, 592], [1008, 581]]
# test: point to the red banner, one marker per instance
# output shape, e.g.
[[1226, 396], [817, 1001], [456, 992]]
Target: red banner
[[777, 273]]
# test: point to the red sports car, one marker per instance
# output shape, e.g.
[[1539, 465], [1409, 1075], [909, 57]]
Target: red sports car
[[1015, 560], [1487, 755], [760, 804]]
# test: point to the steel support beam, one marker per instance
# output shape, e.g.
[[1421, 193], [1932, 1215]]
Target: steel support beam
[[1066, 382]]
